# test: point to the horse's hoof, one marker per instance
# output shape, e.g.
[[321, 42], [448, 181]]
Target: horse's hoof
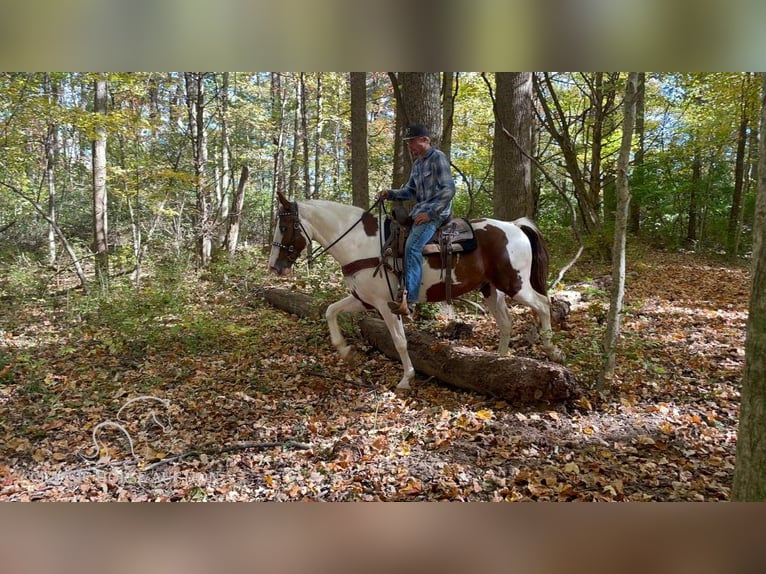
[[349, 356], [403, 386]]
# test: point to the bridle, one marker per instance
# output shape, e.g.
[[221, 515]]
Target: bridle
[[296, 236], [300, 234]]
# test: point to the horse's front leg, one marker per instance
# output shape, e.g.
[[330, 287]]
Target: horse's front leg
[[349, 304], [396, 329]]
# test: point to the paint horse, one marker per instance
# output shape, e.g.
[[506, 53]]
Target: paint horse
[[510, 259]]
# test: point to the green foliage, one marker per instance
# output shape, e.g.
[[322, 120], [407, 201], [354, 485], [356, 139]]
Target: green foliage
[[151, 177]]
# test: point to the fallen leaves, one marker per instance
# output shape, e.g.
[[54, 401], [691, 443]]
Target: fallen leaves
[[252, 404]]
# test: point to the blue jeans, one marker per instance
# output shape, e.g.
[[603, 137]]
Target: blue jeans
[[413, 257]]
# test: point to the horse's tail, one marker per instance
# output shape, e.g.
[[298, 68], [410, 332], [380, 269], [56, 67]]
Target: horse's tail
[[538, 275]]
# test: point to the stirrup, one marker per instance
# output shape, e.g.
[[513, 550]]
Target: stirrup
[[400, 308]]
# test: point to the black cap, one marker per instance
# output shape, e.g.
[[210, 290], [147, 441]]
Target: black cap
[[416, 131]]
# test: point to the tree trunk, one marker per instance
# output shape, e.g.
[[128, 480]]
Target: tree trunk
[[558, 124], [224, 195], [100, 227], [232, 232], [278, 103], [318, 142], [360, 182], [634, 224], [750, 469], [513, 196], [418, 102], [518, 380], [51, 143], [692, 225], [735, 213], [195, 98], [620, 233], [449, 93], [304, 136]]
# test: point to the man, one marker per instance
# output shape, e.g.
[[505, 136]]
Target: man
[[432, 187]]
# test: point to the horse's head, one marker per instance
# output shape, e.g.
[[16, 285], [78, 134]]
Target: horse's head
[[289, 237]]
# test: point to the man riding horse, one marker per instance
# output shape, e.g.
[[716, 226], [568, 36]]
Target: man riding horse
[[432, 187]]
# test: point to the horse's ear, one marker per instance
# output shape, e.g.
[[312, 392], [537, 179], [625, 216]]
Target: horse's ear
[[282, 199]]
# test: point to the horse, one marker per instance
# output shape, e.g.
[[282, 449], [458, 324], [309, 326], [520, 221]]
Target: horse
[[511, 258]]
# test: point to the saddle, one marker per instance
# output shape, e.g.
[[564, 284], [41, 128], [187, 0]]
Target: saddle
[[455, 235]]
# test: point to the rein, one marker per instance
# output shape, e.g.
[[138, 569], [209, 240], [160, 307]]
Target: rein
[[299, 225]]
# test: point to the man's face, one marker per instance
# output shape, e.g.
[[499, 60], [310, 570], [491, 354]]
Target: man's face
[[418, 146]]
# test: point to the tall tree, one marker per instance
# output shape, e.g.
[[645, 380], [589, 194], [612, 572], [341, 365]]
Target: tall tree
[[450, 84], [513, 196], [223, 182], [418, 101], [235, 214], [750, 468], [360, 183], [100, 227], [634, 222], [304, 135], [740, 167], [204, 221], [620, 232], [278, 105], [695, 192], [579, 130], [51, 151]]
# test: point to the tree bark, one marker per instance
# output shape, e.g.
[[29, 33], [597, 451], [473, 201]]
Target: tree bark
[[750, 469], [235, 216], [620, 233], [735, 213], [293, 302], [100, 247], [634, 221], [195, 98], [360, 184], [519, 380], [418, 102], [51, 144], [513, 196], [449, 93]]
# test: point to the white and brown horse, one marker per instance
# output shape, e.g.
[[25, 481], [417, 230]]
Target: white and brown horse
[[511, 259]]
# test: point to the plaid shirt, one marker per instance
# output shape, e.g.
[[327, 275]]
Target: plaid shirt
[[430, 185]]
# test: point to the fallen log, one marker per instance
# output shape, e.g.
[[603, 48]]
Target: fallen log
[[518, 380], [293, 302]]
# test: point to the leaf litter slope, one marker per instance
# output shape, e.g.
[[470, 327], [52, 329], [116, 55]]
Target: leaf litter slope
[[259, 407]]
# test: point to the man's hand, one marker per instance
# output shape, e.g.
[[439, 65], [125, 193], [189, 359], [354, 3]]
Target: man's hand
[[421, 218], [383, 194]]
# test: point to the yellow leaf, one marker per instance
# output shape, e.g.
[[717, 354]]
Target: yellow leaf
[[484, 415], [413, 486], [572, 468]]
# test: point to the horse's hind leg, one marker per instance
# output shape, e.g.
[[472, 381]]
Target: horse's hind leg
[[495, 300], [349, 304], [540, 304]]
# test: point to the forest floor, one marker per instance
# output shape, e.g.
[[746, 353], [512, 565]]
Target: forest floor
[[247, 402]]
